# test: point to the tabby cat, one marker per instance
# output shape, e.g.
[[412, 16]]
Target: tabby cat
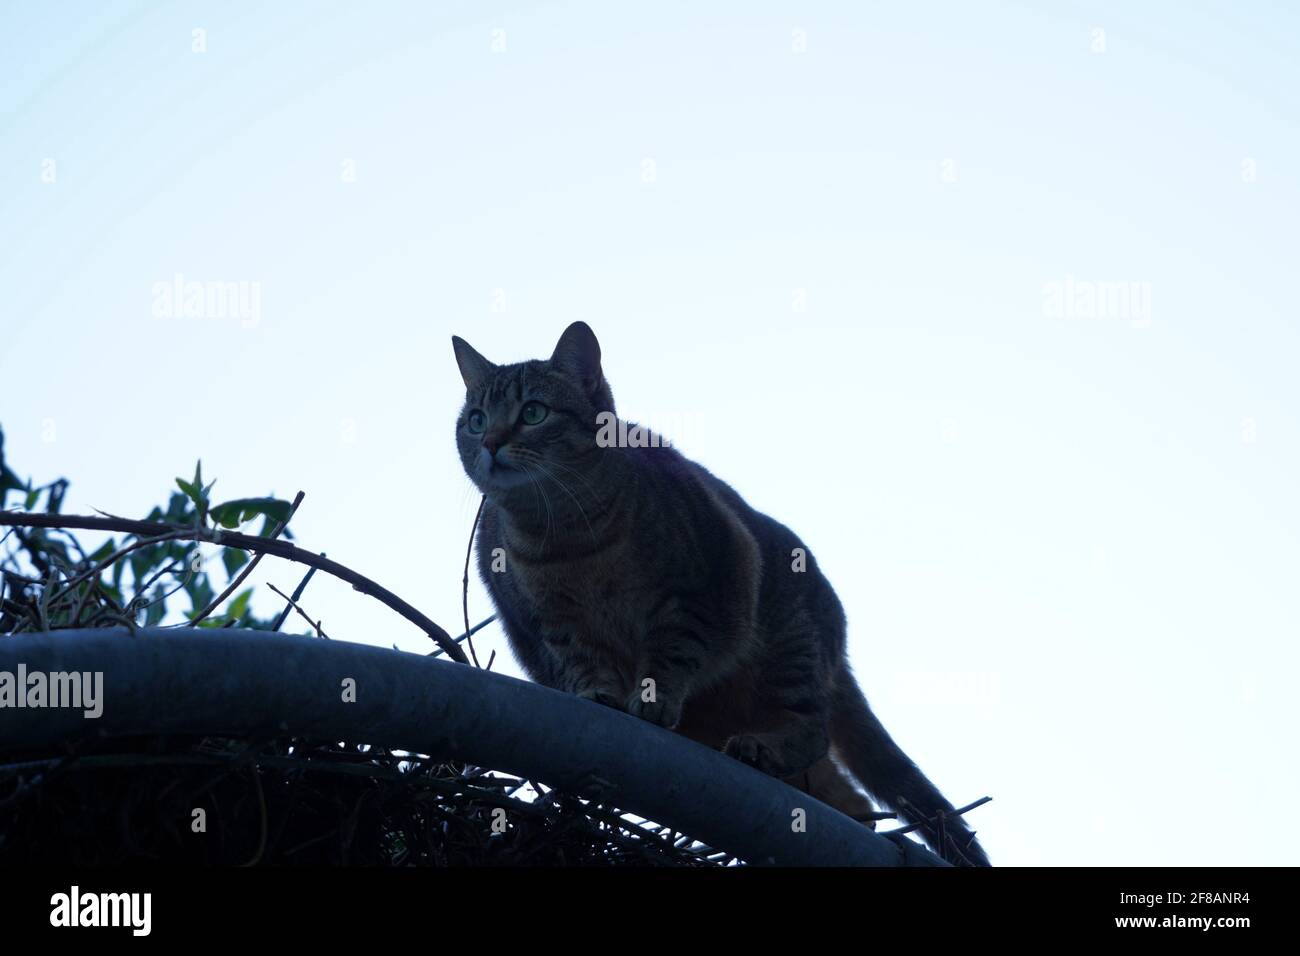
[[633, 577]]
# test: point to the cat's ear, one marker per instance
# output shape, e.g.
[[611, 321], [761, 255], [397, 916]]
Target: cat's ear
[[578, 355], [474, 368]]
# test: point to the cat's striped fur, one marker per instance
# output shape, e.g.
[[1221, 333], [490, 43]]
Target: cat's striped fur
[[615, 565]]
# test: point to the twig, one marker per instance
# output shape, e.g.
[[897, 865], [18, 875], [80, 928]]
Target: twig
[[246, 542], [931, 821], [248, 568], [294, 604], [143, 589], [297, 594], [464, 581], [174, 534], [463, 637]]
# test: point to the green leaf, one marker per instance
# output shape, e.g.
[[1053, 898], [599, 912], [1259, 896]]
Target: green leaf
[[141, 564], [191, 492], [186, 552], [103, 551], [204, 492], [200, 592], [196, 491], [54, 497], [233, 560], [240, 604], [178, 508], [230, 514]]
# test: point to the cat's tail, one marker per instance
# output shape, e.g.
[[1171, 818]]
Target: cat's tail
[[865, 747]]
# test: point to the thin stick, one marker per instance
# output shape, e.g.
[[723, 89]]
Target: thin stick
[[464, 581], [173, 535], [297, 594], [294, 604], [930, 821], [246, 542], [143, 589], [465, 634]]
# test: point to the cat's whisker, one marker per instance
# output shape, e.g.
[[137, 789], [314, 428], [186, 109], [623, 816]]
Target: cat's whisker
[[537, 492], [524, 457], [577, 474], [581, 510], [550, 518], [538, 465]]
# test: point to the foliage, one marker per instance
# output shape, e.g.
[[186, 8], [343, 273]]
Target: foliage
[[49, 580]]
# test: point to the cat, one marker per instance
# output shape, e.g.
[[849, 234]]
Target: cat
[[627, 574]]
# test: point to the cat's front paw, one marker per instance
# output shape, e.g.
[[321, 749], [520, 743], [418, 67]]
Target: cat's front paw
[[758, 753], [599, 696], [664, 712]]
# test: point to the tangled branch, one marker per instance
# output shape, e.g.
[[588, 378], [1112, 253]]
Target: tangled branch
[[243, 542]]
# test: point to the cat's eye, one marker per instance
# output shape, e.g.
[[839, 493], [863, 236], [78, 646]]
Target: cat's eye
[[533, 413], [476, 422]]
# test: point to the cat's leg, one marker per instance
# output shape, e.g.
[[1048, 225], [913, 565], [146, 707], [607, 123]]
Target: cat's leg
[[672, 662], [791, 712], [782, 753], [587, 669]]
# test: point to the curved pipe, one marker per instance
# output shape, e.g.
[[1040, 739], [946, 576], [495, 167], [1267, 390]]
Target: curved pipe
[[242, 683]]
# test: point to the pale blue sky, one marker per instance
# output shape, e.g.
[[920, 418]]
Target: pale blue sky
[[1067, 546]]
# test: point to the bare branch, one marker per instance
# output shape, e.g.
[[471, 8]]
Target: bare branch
[[297, 594], [244, 542], [320, 632], [464, 581]]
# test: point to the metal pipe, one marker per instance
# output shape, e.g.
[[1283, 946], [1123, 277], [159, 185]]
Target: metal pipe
[[238, 683]]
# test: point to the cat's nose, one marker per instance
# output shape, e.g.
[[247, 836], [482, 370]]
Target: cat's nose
[[491, 443]]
